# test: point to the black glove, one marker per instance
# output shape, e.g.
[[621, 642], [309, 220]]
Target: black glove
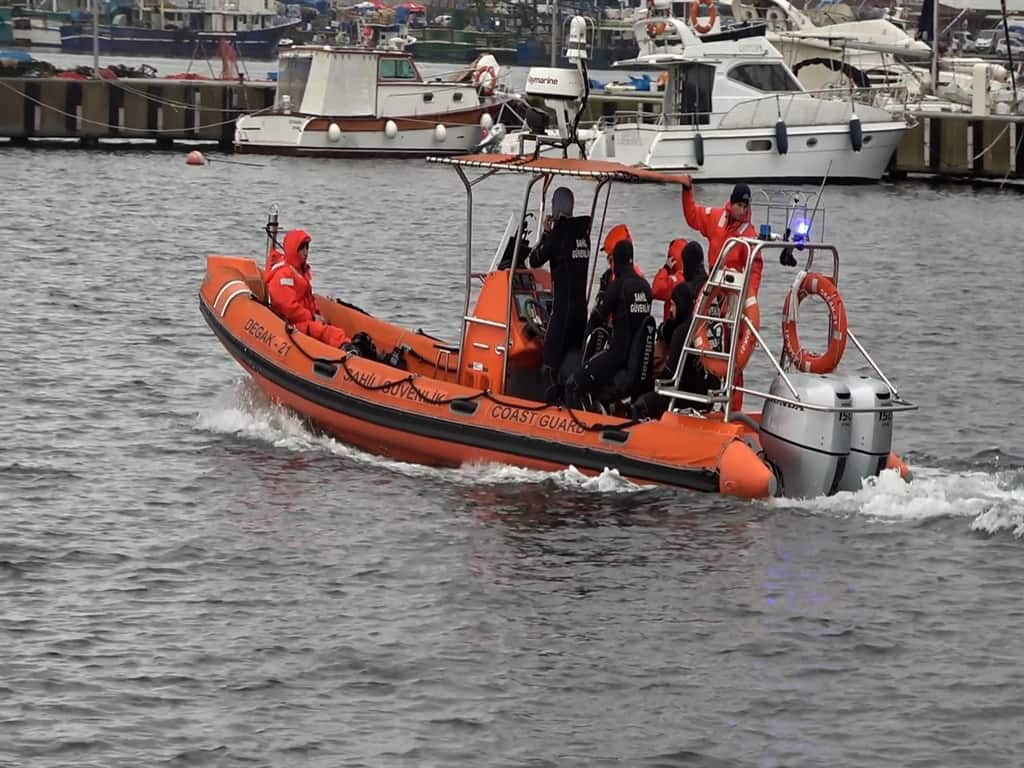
[[786, 258], [350, 348]]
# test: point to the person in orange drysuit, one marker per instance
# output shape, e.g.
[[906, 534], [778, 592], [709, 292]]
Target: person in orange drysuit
[[669, 276], [290, 288], [719, 224]]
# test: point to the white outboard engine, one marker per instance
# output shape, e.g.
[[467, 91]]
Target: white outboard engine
[[564, 90], [810, 448], [870, 432]]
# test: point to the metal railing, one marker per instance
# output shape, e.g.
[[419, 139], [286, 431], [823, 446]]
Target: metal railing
[[726, 280], [890, 98]]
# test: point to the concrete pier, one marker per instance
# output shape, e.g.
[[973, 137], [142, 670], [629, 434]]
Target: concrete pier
[[92, 111], [962, 146], [940, 145]]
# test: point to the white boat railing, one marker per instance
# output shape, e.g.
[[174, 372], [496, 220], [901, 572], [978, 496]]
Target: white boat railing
[[765, 109]]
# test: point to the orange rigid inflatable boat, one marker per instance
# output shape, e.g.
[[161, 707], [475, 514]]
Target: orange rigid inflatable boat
[[481, 399]]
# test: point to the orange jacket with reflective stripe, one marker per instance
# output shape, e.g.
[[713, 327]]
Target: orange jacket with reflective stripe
[[290, 288], [717, 227]]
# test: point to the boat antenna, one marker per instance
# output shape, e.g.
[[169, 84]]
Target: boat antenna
[[817, 200], [271, 230], [576, 50], [1009, 51]]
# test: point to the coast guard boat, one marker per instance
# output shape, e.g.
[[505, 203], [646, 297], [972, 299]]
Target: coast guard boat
[[480, 397]]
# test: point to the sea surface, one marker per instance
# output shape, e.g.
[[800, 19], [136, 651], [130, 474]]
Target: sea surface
[[189, 576]]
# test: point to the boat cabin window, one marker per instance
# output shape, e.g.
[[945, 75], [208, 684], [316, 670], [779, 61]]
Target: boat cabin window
[[691, 86], [397, 69], [765, 77], [292, 74]]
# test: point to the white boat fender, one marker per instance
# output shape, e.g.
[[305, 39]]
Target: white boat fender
[[698, 148], [781, 137], [440, 132], [334, 132], [486, 121], [856, 134], [390, 129]]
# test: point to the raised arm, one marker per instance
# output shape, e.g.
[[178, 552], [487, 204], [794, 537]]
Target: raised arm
[[696, 216]]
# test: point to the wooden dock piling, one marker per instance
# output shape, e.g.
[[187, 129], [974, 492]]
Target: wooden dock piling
[[161, 110]]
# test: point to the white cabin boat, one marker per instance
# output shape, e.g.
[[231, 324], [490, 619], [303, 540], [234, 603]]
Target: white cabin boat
[[364, 102], [865, 51], [733, 110]]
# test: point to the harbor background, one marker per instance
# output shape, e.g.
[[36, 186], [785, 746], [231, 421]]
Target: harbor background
[[191, 577]]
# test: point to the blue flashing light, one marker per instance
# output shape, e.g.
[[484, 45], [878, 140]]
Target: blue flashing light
[[800, 229]]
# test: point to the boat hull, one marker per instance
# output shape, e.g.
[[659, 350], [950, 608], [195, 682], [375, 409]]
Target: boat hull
[[422, 414], [280, 134], [167, 43], [751, 154]]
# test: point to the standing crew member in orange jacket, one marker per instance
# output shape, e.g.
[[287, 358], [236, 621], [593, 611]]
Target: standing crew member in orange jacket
[[290, 287], [719, 224]]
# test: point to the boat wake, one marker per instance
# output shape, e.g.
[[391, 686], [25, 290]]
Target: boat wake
[[993, 500], [245, 412], [990, 495]]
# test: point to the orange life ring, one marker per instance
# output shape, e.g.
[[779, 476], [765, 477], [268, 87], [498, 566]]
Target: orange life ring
[[719, 366], [478, 80], [702, 28], [368, 33], [815, 284]]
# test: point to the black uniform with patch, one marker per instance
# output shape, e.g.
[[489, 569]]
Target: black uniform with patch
[[567, 249], [628, 301]]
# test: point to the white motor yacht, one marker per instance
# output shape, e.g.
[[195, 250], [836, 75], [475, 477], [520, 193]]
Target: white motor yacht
[[732, 110], [861, 52]]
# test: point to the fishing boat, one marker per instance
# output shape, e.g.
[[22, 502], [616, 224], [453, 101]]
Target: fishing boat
[[369, 102], [192, 30], [480, 398]]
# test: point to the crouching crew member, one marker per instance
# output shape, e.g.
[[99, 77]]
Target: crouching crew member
[[628, 301]]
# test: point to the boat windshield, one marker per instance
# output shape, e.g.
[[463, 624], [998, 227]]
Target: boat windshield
[[767, 77], [397, 69], [292, 74]]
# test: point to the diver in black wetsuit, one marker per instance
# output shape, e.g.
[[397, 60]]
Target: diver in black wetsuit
[[565, 245], [628, 301]]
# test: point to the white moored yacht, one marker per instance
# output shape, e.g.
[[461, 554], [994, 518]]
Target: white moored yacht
[[863, 51], [733, 110], [355, 102]]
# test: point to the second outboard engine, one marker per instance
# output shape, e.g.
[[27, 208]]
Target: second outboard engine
[[870, 432], [809, 447]]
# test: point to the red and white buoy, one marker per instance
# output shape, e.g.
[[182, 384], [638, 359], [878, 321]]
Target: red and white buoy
[[195, 157]]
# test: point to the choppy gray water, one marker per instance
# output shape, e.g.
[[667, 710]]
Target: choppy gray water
[[190, 577]]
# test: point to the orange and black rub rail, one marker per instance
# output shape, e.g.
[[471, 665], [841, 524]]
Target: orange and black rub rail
[[459, 432]]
